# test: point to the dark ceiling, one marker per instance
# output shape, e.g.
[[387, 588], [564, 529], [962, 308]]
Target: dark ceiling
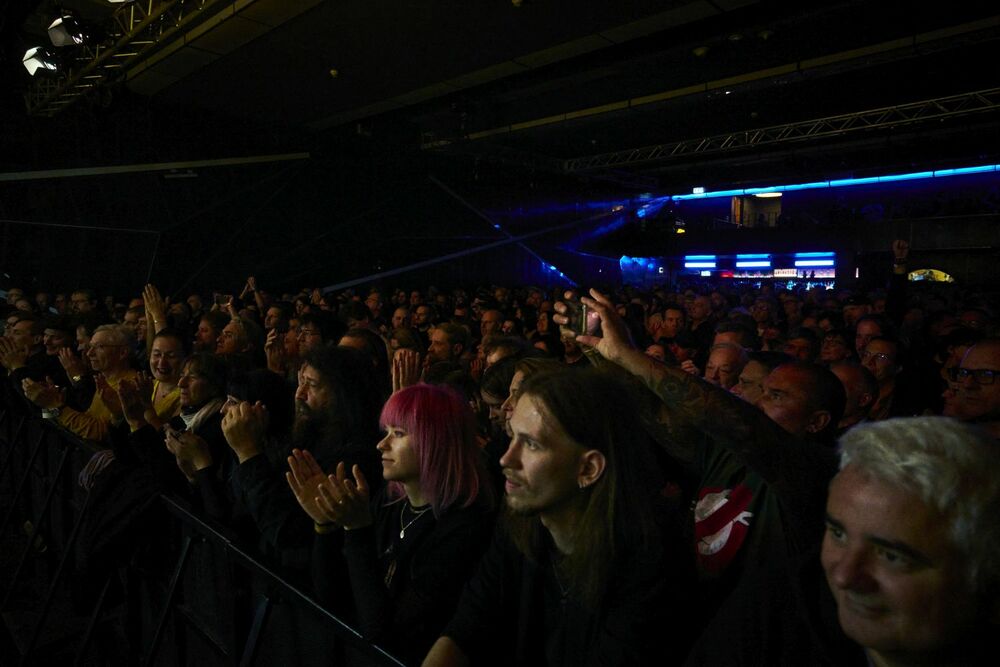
[[562, 97], [526, 84]]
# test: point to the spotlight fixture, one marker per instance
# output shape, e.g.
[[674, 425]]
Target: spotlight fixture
[[38, 58], [66, 31]]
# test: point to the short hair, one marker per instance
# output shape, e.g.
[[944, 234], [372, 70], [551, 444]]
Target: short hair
[[250, 331], [406, 339], [216, 319], [456, 334], [59, 323], [496, 379], [769, 359], [884, 323], [442, 432], [825, 392], [119, 335], [748, 334], [953, 467], [211, 368], [330, 328], [354, 310]]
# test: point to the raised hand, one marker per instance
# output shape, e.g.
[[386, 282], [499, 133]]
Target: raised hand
[[616, 340], [133, 406], [71, 363], [274, 350], [244, 426], [45, 395], [305, 478], [12, 355], [900, 250], [405, 369], [156, 307], [109, 396], [344, 500]]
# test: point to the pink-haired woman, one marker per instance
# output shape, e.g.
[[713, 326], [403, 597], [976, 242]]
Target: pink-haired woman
[[402, 553]]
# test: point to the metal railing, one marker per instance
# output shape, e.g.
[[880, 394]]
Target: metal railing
[[190, 594]]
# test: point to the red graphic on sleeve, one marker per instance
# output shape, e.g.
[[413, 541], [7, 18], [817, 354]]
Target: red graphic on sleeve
[[721, 523]]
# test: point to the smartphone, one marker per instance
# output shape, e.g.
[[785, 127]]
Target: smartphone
[[177, 425], [576, 319]]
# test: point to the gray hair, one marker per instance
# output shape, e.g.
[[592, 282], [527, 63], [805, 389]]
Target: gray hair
[[952, 467], [119, 334]]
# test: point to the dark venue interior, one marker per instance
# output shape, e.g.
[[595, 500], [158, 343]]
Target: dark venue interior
[[351, 144]]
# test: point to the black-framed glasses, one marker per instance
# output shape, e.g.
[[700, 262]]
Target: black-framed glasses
[[981, 375]]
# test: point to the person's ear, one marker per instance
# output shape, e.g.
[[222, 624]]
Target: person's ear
[[592, 464], [818, 421]]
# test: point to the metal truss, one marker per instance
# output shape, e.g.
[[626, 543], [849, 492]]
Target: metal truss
[[874, 119], [133, 32]]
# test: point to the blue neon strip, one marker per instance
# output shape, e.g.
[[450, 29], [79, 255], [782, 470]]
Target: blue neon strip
[[759, 256], [699, 265], [753, 265], [853, 181], [843, 182], [814, 254], [906, 177], [695, 258], [814, 262]]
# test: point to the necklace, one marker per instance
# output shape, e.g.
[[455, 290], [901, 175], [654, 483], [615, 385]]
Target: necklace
[[417, 515]]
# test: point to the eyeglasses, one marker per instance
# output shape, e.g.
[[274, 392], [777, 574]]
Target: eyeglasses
[[879, 357], [981, 375]]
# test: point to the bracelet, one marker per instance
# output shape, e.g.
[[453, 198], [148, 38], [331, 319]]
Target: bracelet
[[324, 528]]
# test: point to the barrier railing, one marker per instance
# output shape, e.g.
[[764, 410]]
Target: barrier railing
[[192, 594]]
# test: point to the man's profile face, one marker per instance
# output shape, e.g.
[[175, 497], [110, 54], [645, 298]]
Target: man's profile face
[[21, 334], [103, 353], [541, 463], [785, 401], [229, 340], [750, 385], [439, 348], [272, 318], [898, 581]]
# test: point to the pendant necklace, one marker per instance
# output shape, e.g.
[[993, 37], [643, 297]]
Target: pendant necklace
[[417, 515]]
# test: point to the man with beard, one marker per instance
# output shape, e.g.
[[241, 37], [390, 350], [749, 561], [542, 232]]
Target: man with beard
[[583, 570], [336, 418]]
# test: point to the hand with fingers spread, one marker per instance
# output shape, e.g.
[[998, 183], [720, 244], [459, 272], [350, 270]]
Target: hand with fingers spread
[[133, 406], [71, 363], [45, 395], [305, 478], [244, 426], [109, 396], [156, 307], [346, 500], [615, 341], [12, 355], [405, 369]]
